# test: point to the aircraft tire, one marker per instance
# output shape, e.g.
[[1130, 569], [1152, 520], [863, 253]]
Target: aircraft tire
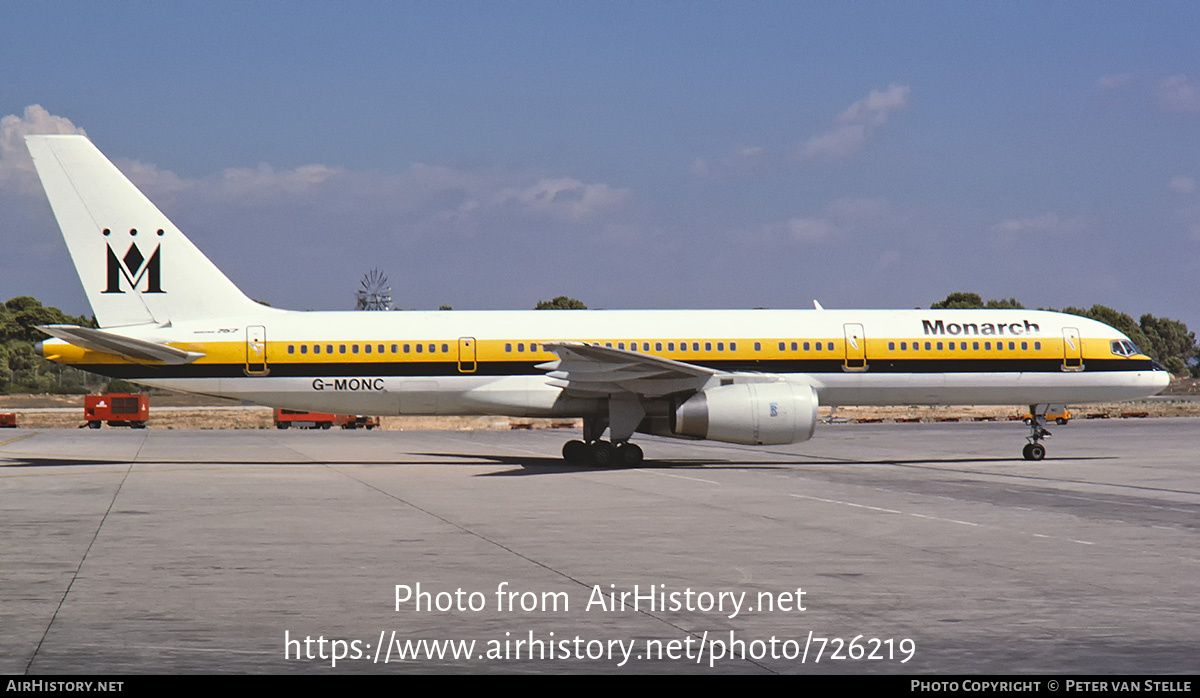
[[1034, 452], [602, 454], [629, 454], [575, 451]]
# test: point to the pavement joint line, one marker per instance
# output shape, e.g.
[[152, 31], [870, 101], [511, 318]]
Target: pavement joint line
[[23, 436], [83, 559], [510, 550]]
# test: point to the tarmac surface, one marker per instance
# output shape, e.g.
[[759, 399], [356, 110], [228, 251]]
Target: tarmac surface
[[225, 551]]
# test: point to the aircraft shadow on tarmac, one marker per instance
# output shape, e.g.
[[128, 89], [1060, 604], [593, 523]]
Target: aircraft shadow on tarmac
[[537, 465]]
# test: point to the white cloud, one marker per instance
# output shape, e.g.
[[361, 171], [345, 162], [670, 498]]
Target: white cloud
[[16, 167], [743, 160], [841, 142], [859, 210], [1183, 185], [1108, 83], [1048, 223], [1178, 94], [877, 106], [808, 230], [857, 123], [562, 198], [841, 218], [426, 192]]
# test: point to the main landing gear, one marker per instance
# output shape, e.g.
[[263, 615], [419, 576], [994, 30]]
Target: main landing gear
[[1034, 450], [602, 453], [624, 414]]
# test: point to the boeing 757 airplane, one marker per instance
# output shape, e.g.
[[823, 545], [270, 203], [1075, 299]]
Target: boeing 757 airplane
[[170, 319]]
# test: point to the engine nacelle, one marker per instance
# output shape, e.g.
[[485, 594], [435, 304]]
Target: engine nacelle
[[750, 413]]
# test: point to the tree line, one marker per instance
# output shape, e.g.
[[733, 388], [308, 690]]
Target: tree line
[[1166, 341], [22, 369]]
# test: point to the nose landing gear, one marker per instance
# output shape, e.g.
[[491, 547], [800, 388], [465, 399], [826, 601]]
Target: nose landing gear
[[1034, 450]]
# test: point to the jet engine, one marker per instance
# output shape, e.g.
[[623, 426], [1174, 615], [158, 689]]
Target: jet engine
[[749, 413]]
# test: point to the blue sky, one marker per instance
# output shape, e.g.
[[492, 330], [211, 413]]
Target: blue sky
[[631, 154]]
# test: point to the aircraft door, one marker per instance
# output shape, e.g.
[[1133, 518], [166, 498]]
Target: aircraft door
[[256, 351], [1072, 350], [856, 348], [466, 355]]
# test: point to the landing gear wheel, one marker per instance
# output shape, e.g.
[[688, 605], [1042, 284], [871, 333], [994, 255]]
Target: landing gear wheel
[[1034, 452], [602, 453], [629, 454], [93, 425], [575, 451]]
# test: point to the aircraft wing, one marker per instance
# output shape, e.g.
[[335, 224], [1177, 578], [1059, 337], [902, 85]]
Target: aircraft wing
[[109, 343], [587, 370]]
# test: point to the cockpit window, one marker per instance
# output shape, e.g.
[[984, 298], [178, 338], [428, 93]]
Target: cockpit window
[[1123, 347]]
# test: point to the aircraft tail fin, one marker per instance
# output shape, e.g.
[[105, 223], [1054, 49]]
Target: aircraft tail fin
[[135, 265]]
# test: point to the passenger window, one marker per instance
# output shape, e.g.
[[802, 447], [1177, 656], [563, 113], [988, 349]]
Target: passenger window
[[670, 346], [733, 346], [367, 348], [1024, 346], [406, 348], [928, 346], [446, 348], [521, 346], [1012, 346], [421, 348], [658, 346], [806, 346], [507, 348], [695, 346], [708, 346], [328, 348], [353, 348], [891, 346], [819, 346], [939, 346], [975, 346], [316, 348], [303, 348], [795, 346], [951, 346], [341, 348], [903, 346], [781, 346], [394, 348], [758, 346], [620, 345], [830, 346], [683, 346], [1037, 346], [291, 349]]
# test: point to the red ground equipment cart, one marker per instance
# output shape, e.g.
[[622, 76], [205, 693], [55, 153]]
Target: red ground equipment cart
[[285, 419], [118, 409]]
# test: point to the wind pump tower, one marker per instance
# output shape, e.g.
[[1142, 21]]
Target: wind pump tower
[[374, 293]]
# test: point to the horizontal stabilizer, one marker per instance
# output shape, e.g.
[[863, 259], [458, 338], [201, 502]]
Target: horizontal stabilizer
[[109, 343]]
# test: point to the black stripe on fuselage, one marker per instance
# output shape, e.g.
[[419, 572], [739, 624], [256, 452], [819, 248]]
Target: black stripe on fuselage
[[525, 368]]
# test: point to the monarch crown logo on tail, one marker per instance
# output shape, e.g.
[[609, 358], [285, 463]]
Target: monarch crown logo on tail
[[133, 266]]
